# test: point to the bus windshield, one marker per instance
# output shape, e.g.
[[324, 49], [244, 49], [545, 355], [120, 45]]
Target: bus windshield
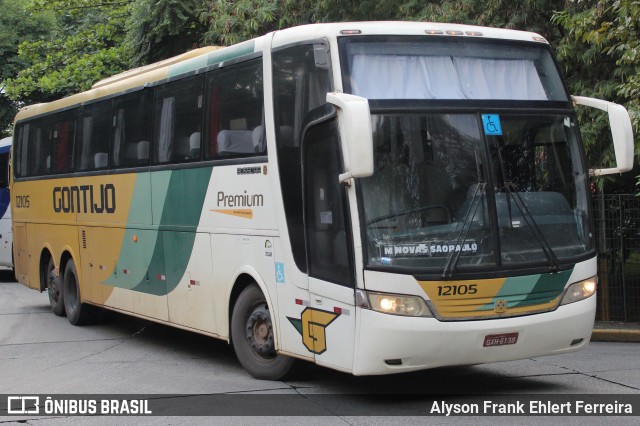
[[440, 189], [467, 188]]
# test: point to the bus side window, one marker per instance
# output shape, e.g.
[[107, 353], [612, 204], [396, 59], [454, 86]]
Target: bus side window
[[131, 134], [235, 101], [93, 137], [326, 219], [4, 172], [178, 120], [39, 150], [63, 137], [300, 86]]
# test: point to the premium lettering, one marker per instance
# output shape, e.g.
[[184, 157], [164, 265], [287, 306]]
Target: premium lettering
[[85, 199], [243, 200]]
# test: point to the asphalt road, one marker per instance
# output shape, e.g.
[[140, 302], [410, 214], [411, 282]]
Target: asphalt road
[[41, 353]]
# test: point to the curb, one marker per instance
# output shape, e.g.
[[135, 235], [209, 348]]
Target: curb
[[615, 335]]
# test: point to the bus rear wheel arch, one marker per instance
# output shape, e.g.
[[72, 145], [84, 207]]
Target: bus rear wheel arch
[[252, 336]]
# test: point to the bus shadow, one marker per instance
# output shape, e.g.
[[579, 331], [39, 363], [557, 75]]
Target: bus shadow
[[314, 380], [179, 342]]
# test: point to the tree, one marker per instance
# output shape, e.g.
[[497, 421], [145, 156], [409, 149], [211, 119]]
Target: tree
[[84, 45], [16, 24], [159, 29], [601, 55]]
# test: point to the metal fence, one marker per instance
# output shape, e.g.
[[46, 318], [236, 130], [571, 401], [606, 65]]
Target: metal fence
[[618, 240]]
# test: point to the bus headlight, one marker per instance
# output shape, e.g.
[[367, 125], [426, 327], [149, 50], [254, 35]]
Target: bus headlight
[[580, 290], [398, 304]]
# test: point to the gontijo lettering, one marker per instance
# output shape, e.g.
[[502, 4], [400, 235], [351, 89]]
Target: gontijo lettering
[[85, 199]]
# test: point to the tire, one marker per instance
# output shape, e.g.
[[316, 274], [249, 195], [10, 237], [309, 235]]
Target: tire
[[252, 337], [78, 313], [54, 289]]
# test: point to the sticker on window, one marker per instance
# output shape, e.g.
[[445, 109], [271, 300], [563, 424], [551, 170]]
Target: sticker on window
[[428, 249], [491, 124]]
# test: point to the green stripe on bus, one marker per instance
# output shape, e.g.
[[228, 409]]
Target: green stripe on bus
[[216, 57], [547, 288], [530, 290], [183, 202]]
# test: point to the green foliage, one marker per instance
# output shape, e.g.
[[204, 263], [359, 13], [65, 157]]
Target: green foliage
[[69, 44], [158, 29], [230, 22], [16, 24], [601, 56], [83, 46]]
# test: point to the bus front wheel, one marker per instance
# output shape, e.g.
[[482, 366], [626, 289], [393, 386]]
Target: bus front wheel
[[54, 289], [252, 336]]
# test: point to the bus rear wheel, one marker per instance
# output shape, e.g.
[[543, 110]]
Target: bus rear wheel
[[252, 336], [54, 289], [78, 313]]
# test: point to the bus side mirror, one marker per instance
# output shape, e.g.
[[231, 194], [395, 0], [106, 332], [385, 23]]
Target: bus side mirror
[[354, 118], [621, 132]]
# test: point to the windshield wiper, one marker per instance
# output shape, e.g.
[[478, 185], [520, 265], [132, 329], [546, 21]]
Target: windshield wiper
[[452, 260], [535, 229], [511, 190]]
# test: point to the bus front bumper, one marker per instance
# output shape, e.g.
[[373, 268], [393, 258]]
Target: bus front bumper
[[392, 344]]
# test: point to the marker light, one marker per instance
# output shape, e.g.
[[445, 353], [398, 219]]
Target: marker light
[[433, 32], [399, 304], [580, 290]]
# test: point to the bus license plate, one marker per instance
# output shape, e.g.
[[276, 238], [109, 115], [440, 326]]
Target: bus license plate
[[500, 339]]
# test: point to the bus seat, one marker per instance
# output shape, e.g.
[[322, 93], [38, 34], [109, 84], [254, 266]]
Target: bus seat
[[143, 150], [194, 145], [100, 160], [258, 138], [235, 142]]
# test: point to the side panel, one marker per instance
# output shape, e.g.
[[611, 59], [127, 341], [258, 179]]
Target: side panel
[[193, 302]]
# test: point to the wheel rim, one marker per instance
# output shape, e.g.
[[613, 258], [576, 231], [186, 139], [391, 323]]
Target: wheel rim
[[259, 333]]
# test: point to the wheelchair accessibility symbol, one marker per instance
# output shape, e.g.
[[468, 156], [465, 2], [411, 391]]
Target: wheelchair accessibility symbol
[[491, 124]]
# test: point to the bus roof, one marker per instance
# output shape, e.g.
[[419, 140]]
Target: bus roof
[[207, 56]]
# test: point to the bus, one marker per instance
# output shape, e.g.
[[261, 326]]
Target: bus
[[6, 236], [371, 197]]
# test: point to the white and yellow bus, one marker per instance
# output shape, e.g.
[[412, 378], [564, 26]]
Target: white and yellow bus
[[372, 197]]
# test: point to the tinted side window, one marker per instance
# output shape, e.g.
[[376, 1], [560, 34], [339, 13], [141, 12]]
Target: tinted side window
[[325, 201], [61, 134], [300, 86], [235, 114], [131, 136], [21, 150], [46, 145], [93, 138], [4, 170], [178, 120]]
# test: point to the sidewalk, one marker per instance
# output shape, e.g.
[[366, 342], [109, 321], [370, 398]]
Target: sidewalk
[[610, 331]]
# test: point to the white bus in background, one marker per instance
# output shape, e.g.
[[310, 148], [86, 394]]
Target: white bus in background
[[6, 239]]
